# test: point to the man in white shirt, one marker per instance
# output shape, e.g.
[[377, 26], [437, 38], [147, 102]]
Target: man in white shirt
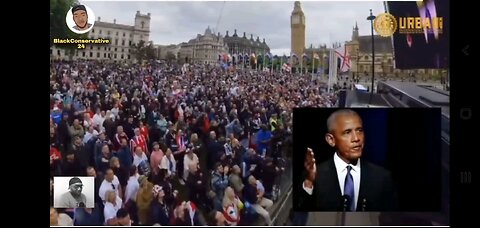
[[110, 183], [344, 183], [132, 185]]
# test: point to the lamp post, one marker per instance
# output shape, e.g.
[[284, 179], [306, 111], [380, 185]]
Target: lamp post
[[358, 66], [371, 18]]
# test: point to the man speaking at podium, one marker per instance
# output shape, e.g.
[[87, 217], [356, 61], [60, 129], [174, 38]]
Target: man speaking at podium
[[345, 182]]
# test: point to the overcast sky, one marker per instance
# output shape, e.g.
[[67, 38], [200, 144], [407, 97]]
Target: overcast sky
[[176, 22]]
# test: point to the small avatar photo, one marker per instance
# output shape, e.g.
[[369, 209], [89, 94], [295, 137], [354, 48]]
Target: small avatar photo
[[73, 192], [80, 19]]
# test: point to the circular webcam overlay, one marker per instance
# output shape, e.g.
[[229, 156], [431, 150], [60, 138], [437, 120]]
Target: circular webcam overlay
[[81, 20]]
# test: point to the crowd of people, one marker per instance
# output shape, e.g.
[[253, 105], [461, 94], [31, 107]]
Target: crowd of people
[[174, 145]]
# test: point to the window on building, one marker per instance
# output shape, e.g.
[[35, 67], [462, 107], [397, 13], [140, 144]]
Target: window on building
[[100, 32], [58, 52], [98, 54], [104, 55], [206, 56], [116, 34], [122, 49], [76, 53], [91, 54], [123, 34], [121, 56], [129, 43], [115, 56], [93, 30], [123, 42], [116, 41], [109, 48], [98, 48], [143, 24], [83, 54], [115, 49], [128, 56], [105, 48]]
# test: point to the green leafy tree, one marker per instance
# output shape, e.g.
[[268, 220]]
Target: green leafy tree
[[58, 25], [170, 57], [150, 52], [142, 51]]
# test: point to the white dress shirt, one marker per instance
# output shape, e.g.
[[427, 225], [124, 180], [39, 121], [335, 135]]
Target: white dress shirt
[[105, 186], [341, 168]]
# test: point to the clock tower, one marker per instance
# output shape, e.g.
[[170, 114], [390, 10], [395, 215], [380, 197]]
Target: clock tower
[[297, 24]]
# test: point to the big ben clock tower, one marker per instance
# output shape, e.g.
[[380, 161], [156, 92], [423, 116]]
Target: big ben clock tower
[[297, 23]]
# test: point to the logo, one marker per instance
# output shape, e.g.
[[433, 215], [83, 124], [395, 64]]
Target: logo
[[427, 24], [385, 24]]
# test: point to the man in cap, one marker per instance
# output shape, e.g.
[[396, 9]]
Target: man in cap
[[80, 17], [74, 197]]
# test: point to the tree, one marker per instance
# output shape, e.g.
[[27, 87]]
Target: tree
[[150, 52], [58, 26], [142, 52], [170, 57]]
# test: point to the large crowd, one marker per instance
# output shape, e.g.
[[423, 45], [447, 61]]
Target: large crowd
[[174, 145]]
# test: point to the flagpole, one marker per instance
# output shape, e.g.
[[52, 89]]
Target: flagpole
[[281, 63], [313, 63]]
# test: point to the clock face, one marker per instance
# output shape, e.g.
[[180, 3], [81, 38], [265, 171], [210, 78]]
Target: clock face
[[295, 19]]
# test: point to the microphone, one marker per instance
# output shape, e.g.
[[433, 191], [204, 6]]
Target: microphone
[[346, 202], [364, 204]]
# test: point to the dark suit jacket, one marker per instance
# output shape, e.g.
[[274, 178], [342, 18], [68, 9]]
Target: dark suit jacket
[[376, 190]]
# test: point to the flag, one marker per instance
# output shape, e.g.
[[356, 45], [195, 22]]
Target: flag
[[286, 67], [344, 56], [315, 56]]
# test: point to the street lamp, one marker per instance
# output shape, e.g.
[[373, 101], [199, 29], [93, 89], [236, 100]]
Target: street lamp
[[371, 18], [358, 66]]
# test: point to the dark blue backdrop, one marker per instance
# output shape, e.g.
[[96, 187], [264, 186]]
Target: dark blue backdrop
[[405, 141]]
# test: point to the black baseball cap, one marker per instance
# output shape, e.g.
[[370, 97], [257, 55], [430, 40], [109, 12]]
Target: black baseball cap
[[78, 7], [74, 180]]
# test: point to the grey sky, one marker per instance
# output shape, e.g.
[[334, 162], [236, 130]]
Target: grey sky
[[176, 22]]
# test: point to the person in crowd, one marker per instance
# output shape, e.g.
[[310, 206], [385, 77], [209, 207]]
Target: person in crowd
[[219, 183], [110, 182], [159, 207], [59, 218], [119, 171], [231, 207], [144, 199], [112, 204], [255, 197], [122, 218]]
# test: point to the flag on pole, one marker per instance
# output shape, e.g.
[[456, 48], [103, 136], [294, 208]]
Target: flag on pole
[[344, 57], [286, 67]]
